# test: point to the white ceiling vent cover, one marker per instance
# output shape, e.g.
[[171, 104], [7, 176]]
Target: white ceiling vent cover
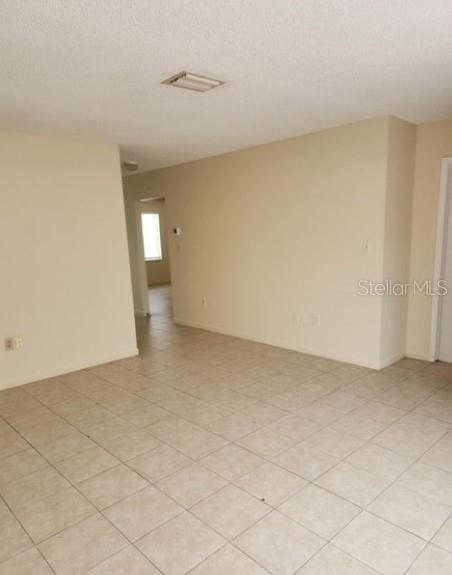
[[191, 81]]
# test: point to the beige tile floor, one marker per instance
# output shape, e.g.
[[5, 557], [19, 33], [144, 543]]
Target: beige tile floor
[[212, 455]]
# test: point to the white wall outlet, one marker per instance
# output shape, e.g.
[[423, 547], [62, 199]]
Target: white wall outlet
[[9, 344], [19, 341], [305, 319]]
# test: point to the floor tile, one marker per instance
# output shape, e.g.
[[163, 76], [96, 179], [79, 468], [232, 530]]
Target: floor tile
[[438, 409], [205, 414], [432, 560], [21, 464], [295, 427], [191, 484], [321, 413], [130, 445], [111, 486], [406, 438], [386, 548], [436, 456], [65, 447], [13, 538], [320, 511], [232, 427], [380, 412], [45, 517], [431, 482], [444, 536], [23, 419], [293, 418], [343, 401], [271, 484], [380, 461], [45, 432], [159, 462], [86, 464], [193, 540], [333, 442], [29, 562], [411, 511], [87, 419], [265, 442], [304, 461], [230, 511], [72, 405], [428, 426], [361, 427], [146, 415], [263, 413], [231, 461], [333, 561], [236, 402], [110, 429], [355, 484], [138, 514], [190, 439], [11, 442], [128, 561], [78, 548], [229, 561], [279, 544], [35, 486]]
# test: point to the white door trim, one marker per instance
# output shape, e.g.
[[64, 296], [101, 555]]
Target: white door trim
[[141, 263], [446, 165]]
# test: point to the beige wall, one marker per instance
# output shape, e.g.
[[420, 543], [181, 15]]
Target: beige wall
[[397, 235], [65, 278], [272, 219], [158, 271], [434, 141], [279, 230]]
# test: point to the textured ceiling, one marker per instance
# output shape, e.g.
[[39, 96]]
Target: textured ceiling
[[94, 68]]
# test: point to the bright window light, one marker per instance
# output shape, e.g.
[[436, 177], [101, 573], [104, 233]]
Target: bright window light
[[151, 236]]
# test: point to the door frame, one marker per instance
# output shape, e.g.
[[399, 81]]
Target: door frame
[[142, 272], [440, 253], [141, 261]]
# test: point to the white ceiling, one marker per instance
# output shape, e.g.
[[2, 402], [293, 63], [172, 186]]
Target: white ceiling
[[94, 68]]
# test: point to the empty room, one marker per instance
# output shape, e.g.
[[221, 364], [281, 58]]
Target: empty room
[[226, 306]]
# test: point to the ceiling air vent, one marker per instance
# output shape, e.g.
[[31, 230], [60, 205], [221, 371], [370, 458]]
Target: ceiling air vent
[[191, 81]]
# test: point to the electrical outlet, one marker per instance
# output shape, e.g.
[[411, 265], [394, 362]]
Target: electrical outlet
[[19, 342], [9, 343]]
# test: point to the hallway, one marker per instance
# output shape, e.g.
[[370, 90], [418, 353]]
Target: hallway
[[160, 304]]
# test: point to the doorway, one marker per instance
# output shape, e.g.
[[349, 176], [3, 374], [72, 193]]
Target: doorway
[[156, 255], [441, 336]]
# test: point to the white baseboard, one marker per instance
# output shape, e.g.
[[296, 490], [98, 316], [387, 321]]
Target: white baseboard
[[386, 362], [372, 364], [419, 356], [61, 370]]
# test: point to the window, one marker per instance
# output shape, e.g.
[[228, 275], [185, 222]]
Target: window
[[151, 236]]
